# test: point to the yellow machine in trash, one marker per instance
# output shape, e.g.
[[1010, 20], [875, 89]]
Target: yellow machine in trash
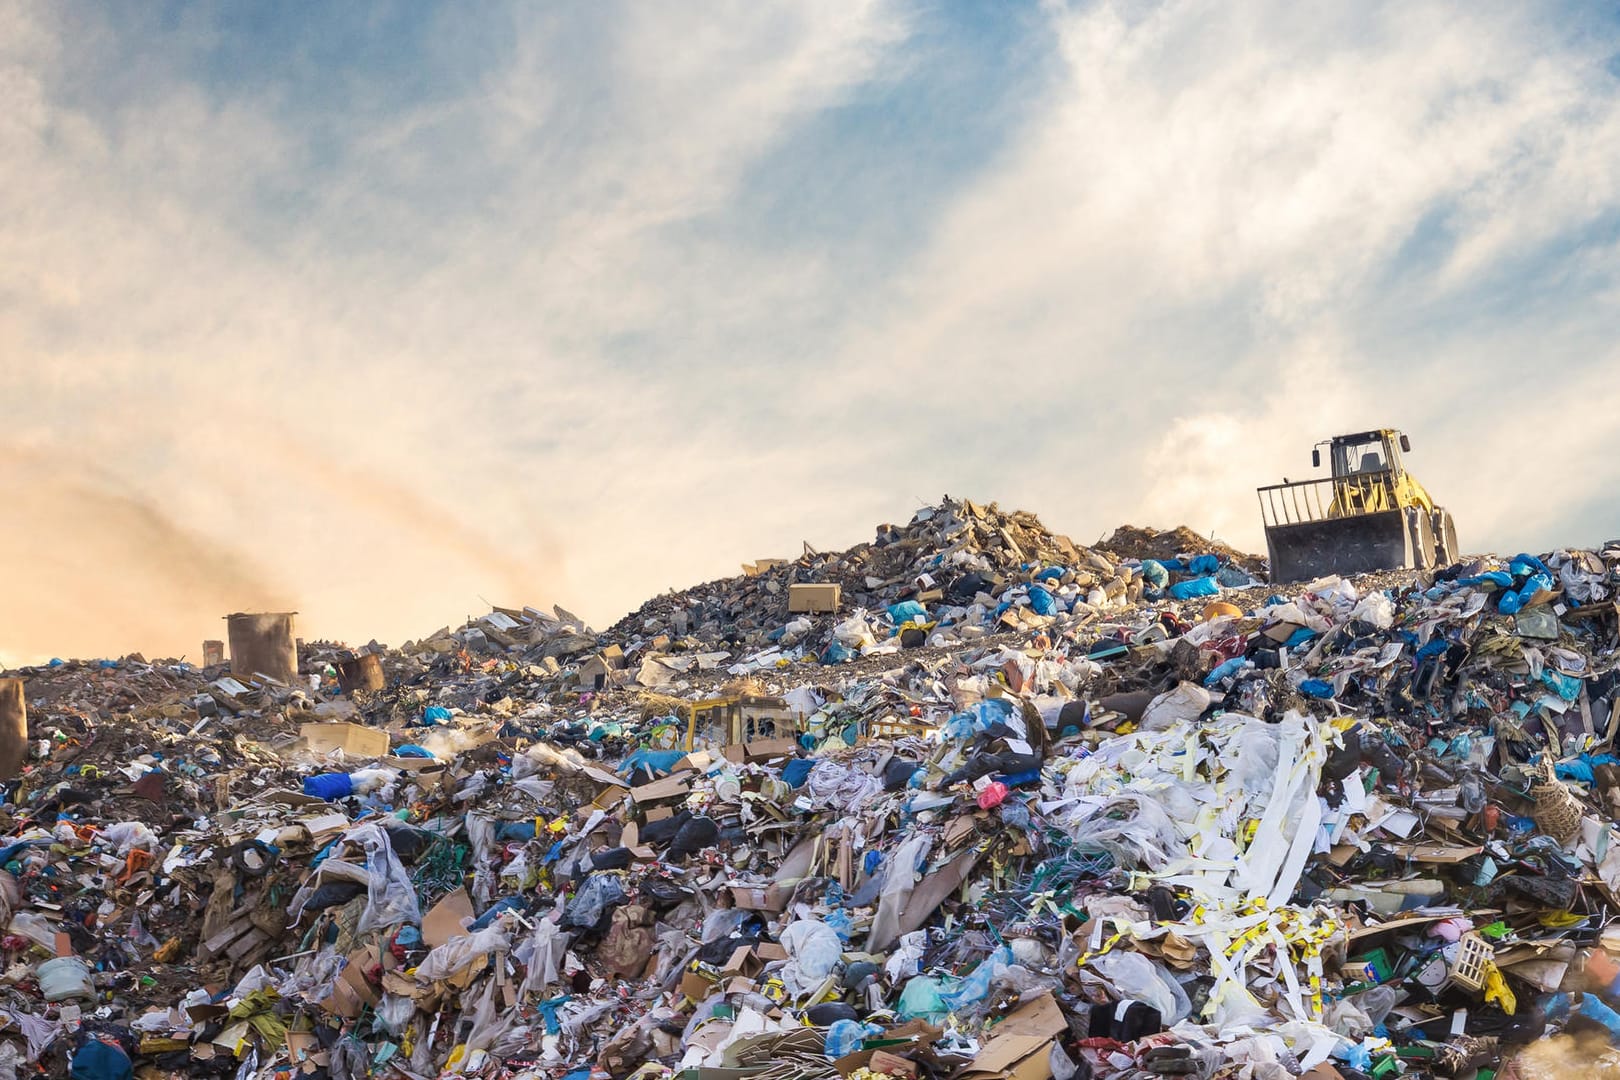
[[1370, 514]]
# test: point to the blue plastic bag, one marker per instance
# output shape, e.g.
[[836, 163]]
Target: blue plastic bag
[[1565, 686], [984, 714], [845, 1037], [1316, 688], [1154, 573], [1042, 601], [835, 653], [907, 611], [658, 762], [1204, 565], [329, 786], [1194, 587], [1525, 565], [976, 987], [796, 771], [1229, 668], [435, 714], [1514, 600]]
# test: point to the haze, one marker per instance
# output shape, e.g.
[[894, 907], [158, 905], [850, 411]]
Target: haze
[[387, 312]]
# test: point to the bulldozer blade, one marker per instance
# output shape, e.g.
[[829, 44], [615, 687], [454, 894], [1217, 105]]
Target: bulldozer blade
[[1349, 545]]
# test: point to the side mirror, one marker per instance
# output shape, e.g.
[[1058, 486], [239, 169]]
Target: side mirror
[[1316, 459], [1406, 444]]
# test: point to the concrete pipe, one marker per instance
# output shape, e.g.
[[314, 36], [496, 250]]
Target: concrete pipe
[[13, 729], [262, 644]]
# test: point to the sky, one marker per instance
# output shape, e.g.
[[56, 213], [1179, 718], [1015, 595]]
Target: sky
[[387, 312]]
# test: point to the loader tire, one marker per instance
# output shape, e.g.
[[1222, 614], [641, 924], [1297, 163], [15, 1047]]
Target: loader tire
[[1445, 538], [1423, 548]]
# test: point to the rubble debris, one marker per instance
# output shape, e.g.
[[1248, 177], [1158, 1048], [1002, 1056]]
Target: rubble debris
[[1042, 816]]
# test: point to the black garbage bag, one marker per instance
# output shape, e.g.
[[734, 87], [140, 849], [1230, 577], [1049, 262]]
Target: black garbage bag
[[694, 836]]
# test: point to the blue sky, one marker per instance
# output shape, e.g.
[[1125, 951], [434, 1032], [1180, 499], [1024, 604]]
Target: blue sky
[[383, 311]]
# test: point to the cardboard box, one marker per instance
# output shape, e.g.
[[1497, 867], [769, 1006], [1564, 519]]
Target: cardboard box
[[353, 739], [811, 599], [749, 960], [771, 898], [696, 986]]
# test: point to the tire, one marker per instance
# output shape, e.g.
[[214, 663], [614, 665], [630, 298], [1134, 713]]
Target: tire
[[1445, 538], [1422, 539]]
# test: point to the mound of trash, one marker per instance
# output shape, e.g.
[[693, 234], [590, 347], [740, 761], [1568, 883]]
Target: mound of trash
[[1133, 542], [967, 802]]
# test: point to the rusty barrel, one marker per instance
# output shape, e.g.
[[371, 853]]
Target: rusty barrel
[[262, 644], [13, 728], [363, 672], [213, 653]]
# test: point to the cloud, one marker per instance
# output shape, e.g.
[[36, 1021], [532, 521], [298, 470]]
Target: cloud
[[397, 387], [1230, 230], [389, 311]]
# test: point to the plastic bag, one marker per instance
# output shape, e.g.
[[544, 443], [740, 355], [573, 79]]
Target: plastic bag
[[390, 896], [814, 950], [1041, 601], [1193, 587], [63, 979], [126, 836], [907, 611], [394, 1012], [1154, 575], [1175, 708], [855, 632], [1134, 976], [983, 715], [922, 1000], [976, 987], [845, 1037], [458, 952], [600, 892]]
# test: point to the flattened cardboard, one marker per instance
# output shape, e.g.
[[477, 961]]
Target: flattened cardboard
[[444, 920], [1444, 854], [1011, 1057], [760, 750], [670, 787], [1039, 1017], [355, 740]]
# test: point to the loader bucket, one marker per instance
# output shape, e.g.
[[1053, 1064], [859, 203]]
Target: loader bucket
[[1346, 545]]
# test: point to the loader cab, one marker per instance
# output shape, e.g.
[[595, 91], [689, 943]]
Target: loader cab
[[1365, 454]]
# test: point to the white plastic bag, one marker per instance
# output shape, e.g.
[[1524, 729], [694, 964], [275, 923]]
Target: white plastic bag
[[390, 896], [1175, 708], [814, 950], [458, 952], [1134, 976]]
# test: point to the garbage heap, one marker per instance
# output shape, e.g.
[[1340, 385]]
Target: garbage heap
[[1356, 828]]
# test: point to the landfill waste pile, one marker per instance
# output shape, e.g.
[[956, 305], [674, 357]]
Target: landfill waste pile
[[969, 802]]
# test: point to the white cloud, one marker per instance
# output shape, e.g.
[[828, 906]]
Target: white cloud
[[517, 337], [1201, 248]]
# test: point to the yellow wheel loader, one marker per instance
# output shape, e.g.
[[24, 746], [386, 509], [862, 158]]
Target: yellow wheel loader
[[1370, 514]]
